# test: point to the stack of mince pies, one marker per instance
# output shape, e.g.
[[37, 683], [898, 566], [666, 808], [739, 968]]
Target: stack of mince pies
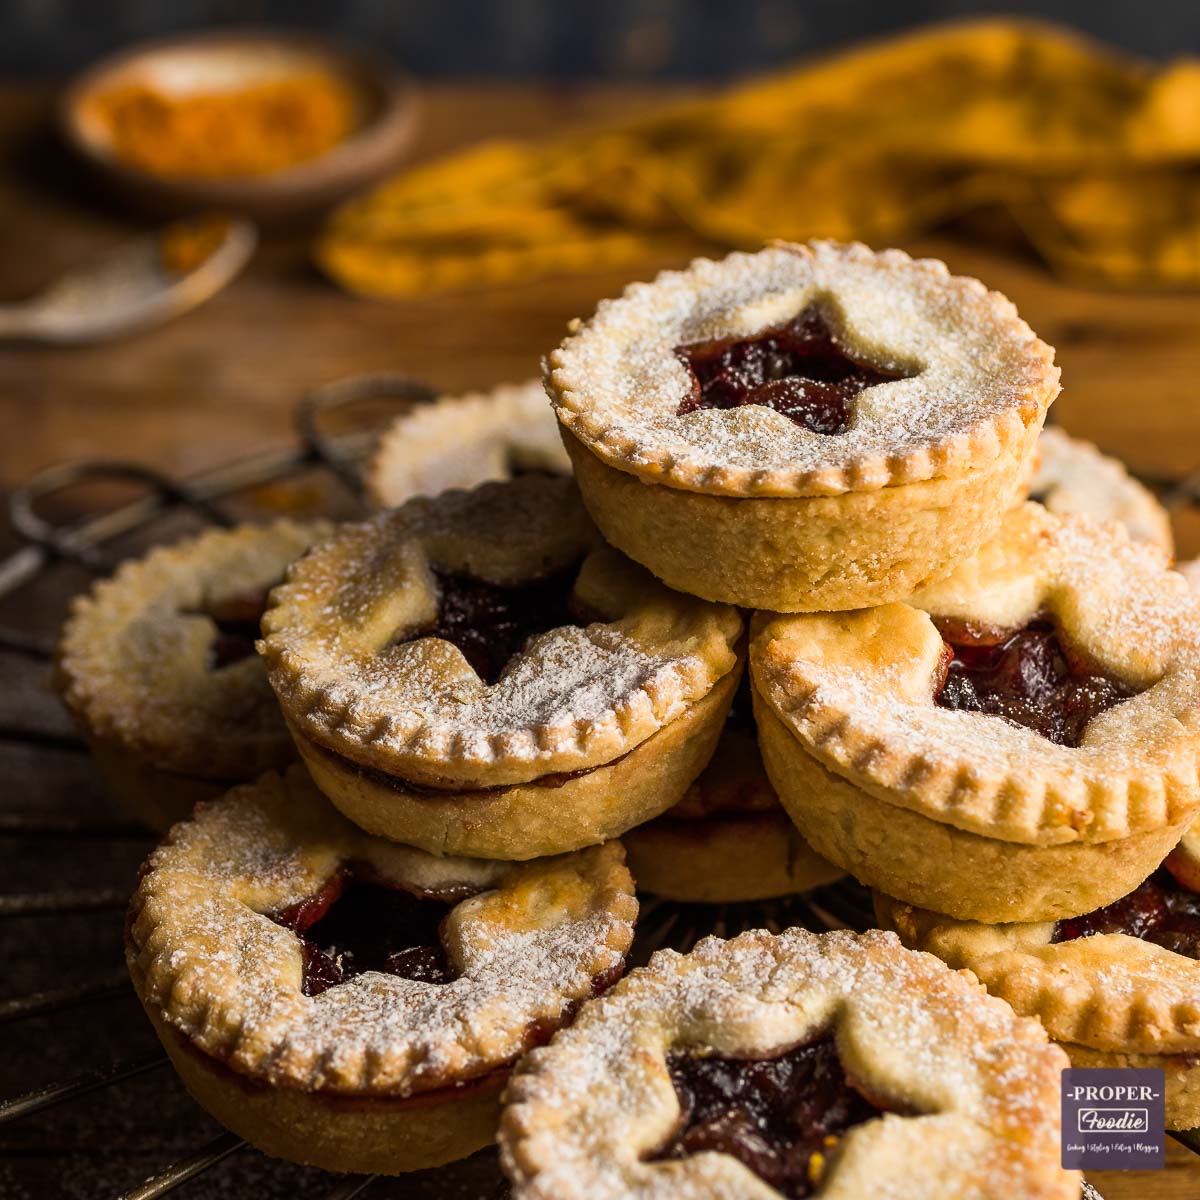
[[774, 577]]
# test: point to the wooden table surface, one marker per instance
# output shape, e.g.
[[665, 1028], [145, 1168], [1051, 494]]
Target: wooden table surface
[[222, 381]]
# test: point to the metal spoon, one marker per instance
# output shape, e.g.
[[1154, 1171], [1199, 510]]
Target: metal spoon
[[130, 287]]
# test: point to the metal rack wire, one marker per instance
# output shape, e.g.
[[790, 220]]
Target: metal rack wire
[[87, 542]]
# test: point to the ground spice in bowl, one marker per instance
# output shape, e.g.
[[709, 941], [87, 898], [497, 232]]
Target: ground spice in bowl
[[251, 129]]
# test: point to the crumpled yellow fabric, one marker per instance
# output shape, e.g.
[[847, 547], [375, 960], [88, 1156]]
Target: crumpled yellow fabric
[[1096, 156]]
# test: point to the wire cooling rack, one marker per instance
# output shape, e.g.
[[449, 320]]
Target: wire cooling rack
[[114, 1122]]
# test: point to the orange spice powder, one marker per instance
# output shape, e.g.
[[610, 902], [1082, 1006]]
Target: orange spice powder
[[251, 130]]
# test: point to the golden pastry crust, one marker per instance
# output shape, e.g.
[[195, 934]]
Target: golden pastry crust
[[746, 506], [726, 859], [340, 1133], [982, 377], [550, 815], [528, 944], [728, 839], [463, 441], [1191, 572], [1110, 991], [932, 863], [1110, 999], [806, 554], [133, 668], [581, 1115], [153, 797], [856, 691], [1184, 860], [1073, 476], [574, 698]]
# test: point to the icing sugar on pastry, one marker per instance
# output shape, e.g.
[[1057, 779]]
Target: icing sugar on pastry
[[976, 375]]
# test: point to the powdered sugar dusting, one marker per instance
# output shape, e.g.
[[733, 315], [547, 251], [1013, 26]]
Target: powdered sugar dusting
[[1111, 992], [1074, 477], [527, 947], [863, 702], [461, 441], [978, 376], [574, 697], [134, 654], [582, 1113]]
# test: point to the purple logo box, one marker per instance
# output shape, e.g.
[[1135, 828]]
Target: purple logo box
[[1113, 1119]]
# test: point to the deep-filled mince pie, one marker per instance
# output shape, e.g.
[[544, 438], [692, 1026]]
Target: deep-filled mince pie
[[728, 839], [1074, 477], [807, 428], [834, 1065], [462, 441], [1117, 987], [158, 667], [340, 1000], [1018, 742], [477, 674]]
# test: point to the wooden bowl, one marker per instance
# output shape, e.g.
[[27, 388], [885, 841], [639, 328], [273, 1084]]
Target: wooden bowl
[[206, 61]]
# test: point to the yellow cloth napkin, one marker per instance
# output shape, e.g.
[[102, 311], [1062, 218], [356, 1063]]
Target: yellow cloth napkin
[[1096, 157]]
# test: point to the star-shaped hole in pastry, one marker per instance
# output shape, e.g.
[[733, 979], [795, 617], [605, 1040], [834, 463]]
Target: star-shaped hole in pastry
[[355, 924], [491, 623], [780, 1117], [1030, 676], [799, 369]]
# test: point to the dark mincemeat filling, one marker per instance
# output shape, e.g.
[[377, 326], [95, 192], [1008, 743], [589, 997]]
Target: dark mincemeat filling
[[1028, 676], [779, 1116], [798, 369], [491, 623], [353, 925], [1160, 910]]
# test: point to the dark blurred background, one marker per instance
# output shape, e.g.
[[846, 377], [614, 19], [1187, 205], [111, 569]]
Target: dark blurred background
[[621, 39]]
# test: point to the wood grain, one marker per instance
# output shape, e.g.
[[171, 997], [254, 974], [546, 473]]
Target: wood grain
[[222, 382]]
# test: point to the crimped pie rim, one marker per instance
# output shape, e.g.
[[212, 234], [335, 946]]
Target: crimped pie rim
[[1128, 500], [1040, 795], [562, 1136], [365, 730], [600, 419], [230, 1024], [112, 710], [507, 402], [1111, 992]]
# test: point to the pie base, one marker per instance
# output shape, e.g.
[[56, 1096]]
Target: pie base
[[937, 866], [148, 794], [1181, 1072], [585, 1114], [525, 821], [802, 553], [339, 1133], [724, 858]]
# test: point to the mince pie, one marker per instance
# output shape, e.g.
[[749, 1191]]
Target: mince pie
[[1018, 742], [1118, 987], [339, 1000], [835, 1065], [807, 428], [728, 839], [1074, 477], [158, 667], [478, 674], [461, 441]]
